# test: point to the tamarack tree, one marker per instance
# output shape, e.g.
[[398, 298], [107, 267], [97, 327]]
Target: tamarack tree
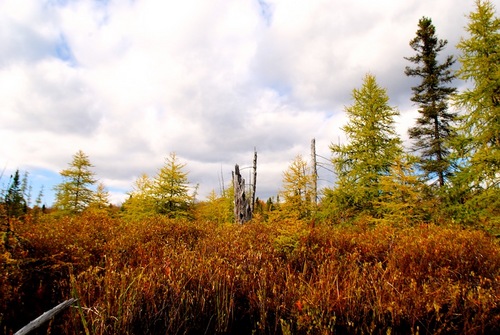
[[372, 147], [74, 194], [168, 193], [477, 184], [298, 189]]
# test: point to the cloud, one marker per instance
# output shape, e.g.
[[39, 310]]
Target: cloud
[[128, 82], [48, 95]]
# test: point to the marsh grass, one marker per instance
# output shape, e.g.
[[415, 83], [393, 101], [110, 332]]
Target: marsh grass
[[161, 276]]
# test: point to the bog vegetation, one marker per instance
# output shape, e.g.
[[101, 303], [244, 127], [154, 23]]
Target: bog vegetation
[[405, 243]]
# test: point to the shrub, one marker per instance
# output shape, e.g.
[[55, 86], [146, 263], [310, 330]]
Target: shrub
[[169, 276]]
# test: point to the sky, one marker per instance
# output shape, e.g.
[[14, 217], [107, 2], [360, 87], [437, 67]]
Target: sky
[[130, 81]]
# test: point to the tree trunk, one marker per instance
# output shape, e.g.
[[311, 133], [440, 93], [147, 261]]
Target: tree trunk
[[242, 205]]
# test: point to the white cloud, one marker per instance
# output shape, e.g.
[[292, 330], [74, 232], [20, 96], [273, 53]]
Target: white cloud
[[128, 82]]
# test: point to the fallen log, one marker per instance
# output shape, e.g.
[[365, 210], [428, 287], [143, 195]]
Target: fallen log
[[45, 317]]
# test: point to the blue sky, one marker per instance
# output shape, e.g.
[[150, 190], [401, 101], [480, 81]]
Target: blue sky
[[128, 82]]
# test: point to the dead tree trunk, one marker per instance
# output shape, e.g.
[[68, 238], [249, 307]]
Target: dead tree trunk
[[242, 206], [254, 184], [315, 171]]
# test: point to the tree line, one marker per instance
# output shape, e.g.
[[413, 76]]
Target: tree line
[[451, 171]]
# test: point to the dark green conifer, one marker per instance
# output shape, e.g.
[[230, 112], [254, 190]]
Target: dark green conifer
[[433, 128]]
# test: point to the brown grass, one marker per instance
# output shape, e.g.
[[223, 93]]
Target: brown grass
[[161, 276]]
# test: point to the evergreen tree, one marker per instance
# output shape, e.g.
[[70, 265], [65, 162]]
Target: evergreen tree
[[38, 206], [297, 191], [15, 204], [478, 181], [14, 207], [26, 188], [39, 199], [269, 204], [434, 126], [372, 147], [74, 194], [171, 189]]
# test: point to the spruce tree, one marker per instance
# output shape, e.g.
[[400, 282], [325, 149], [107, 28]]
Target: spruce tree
[[74, 194], [434, 126], [26, 188], [372, 147], [15, 203]]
